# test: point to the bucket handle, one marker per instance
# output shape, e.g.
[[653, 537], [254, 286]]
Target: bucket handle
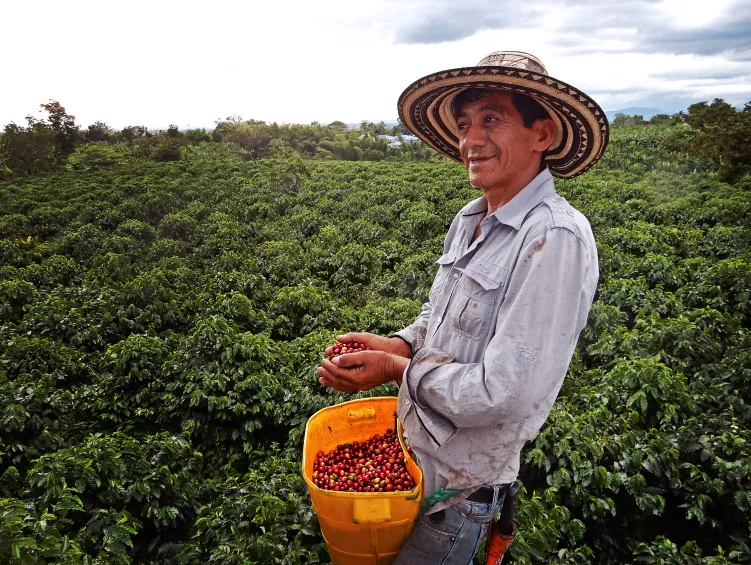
[[359, 414], [371, 511]]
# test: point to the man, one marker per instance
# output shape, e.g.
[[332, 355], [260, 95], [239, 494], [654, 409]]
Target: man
[[481, 366]]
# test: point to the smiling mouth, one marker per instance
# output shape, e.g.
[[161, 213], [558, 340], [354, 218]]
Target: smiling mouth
[[473, 160]]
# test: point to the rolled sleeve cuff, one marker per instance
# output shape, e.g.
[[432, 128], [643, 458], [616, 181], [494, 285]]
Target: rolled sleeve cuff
[[423, 361], [414, 335]]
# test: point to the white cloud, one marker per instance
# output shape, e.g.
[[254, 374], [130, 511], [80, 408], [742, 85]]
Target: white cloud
[[189, 63]]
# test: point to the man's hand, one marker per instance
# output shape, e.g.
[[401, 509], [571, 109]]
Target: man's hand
[[393, 345], [360, 371]]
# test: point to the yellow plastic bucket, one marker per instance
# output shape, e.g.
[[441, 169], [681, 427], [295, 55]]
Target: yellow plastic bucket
[[359, 528]]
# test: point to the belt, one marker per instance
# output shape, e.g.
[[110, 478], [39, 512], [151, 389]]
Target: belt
[[482, 494], [485, 494]]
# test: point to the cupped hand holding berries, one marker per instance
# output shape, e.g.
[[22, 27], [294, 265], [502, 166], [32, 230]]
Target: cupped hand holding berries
[[355, 372], [393, 345]]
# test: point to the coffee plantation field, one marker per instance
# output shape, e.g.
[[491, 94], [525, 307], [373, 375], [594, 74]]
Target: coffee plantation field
[[160, 324]]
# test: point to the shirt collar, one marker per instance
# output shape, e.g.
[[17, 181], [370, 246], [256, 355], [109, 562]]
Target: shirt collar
[[513, 212]]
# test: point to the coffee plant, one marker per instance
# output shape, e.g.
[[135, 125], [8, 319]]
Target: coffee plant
[[164, 305]]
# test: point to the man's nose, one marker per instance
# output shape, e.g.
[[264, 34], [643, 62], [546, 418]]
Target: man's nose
[[474, 136]]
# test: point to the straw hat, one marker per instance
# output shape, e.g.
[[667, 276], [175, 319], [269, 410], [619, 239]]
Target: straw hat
[[581, 126]]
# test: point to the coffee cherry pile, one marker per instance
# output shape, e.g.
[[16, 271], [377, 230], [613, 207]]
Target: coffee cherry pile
[[349, 347], [375, 465]]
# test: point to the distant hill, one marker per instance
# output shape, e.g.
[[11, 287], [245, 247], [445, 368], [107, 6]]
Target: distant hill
[[635, 111]]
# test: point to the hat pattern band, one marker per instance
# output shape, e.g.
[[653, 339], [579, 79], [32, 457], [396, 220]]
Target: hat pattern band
[[582, 128]]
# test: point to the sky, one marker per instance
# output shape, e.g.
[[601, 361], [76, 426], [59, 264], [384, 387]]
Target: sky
[[160, 62]]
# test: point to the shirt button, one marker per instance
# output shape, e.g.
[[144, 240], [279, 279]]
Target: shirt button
[[407, 402], [456, 276]]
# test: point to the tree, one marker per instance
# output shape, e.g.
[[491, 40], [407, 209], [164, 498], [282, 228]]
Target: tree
[[702, 115], [337, 125], [98, 131], [679, 117], [28, 150], [67, 134], [402, 128], [197, 135], [222, 125], [279, 149], [627, 120], [661, 119], [253, 135], [5, 172], [722, 135], [41, 146], [620, 119], [132, 132]]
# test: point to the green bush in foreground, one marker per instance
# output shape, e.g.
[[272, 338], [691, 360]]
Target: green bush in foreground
[[160, 323]]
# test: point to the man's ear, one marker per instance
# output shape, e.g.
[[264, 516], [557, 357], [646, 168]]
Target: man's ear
[[545, 130]]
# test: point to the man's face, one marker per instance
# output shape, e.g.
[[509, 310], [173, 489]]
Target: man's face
[[494, 144]]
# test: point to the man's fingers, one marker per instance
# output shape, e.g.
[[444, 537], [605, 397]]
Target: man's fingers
[[349, 360], [330, 380], [332, 368], [325, 377]]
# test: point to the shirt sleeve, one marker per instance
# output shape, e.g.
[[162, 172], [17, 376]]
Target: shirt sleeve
[[545, 307], [414, 334]]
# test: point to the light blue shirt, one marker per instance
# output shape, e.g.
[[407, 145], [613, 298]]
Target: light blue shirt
[[495, 339]]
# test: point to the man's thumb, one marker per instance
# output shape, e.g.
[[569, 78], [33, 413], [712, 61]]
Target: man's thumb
[[352, 336]]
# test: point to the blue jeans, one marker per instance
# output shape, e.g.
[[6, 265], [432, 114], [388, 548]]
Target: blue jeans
[[451, 537]]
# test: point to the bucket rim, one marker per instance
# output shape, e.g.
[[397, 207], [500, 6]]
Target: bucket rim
[[393, 494]]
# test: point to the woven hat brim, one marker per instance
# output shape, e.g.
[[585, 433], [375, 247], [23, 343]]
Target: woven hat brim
[[582, 127]]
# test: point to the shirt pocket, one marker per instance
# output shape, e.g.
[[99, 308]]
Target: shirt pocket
[[476, 300], [445, 264]]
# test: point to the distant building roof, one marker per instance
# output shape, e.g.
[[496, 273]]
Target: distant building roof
[[394, 140]]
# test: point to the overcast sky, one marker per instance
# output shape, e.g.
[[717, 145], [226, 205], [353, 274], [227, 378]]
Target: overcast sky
[[159, 62]]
